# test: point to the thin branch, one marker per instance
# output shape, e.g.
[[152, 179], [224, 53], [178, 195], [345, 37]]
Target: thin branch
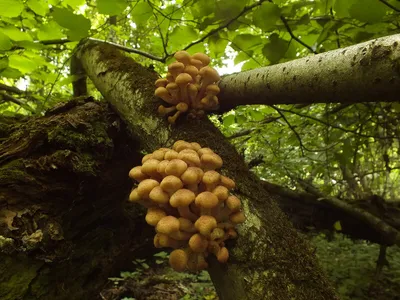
[[335, 126], [126, 49], [390, 5], [11, 89], [244, 11], [6, 97], [295, 37]]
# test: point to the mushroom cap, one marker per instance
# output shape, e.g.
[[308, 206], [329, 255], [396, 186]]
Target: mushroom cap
[[175, 68], [162, 240], [154, 215], [197, 63], [158, 195], [144, 188], [159, 154], [227, 182], [173, 89], [217, 233], [137, 174], [233, 203], [190, 157], [186, 225], [161, 167], [147, 157], [223, 255], [206, 200], [183, 79], [212, 89], [183, 57], [210, 75], [176, 167], [161, 82], [178, 260], [150, 167], [237, 217], [171, 184], [192, 71], [211, 161], [198, 243], [211, 178], [205, 224], [163, 93], [202, 57], [170, 155], [167, 225], [182, 197], [133, 196], [221, 192], [180, 145], [192, 175], [195, 146], [182, 107], [205, 150]]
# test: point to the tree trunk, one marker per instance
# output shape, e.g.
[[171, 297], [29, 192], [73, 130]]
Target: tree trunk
[[64, 227], [269, 260], [366, 72]]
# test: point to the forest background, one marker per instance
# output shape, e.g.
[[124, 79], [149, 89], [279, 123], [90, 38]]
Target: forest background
[[346, 151]]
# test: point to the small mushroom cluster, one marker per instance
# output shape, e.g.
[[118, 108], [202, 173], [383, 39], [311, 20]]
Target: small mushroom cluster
[[189, 86], [188, 202]]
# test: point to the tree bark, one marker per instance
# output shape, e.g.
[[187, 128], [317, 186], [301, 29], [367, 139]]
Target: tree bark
[[366, 72], [64, 227], [269, 260]]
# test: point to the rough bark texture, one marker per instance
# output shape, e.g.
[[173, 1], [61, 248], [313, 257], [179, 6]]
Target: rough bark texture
[[64, 226], [366, 72], [269, 260]]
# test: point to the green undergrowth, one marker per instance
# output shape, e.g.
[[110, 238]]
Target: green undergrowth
[[349, 264]]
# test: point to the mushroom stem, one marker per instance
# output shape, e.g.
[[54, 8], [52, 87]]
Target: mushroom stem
[[162, 110]]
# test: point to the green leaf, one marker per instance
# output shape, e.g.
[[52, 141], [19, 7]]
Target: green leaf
[[341, 7], [229, 120], [15, 34], [141, 13], [226, 9], [22, 63], [78, 25], [266, 15], [11, 73], [51, 31], [3, 63], [246, 41], [39, 7], [242, 56], [74, 4], [370, 11], [275, 49], [337, 226], [5, 42], [11, 8], [217, 45], [112, 8], [202, 9], [182, 35], [249, 65]]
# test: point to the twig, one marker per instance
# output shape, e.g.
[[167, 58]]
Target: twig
[[295, 37], [390, 5], [245, 10]]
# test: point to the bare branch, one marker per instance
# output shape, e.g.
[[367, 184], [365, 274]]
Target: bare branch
[[21, 103]]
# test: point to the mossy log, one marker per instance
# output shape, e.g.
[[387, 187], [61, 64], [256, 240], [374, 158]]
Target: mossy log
[[64, 226]]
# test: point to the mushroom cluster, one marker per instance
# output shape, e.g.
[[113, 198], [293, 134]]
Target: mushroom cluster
[[188, 202], [189, 86]]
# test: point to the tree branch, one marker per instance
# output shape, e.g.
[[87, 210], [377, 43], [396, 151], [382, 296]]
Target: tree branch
[[359, 73]]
